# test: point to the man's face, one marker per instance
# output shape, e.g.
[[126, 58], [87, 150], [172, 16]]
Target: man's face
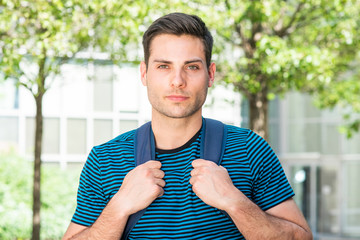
[[176, 77]]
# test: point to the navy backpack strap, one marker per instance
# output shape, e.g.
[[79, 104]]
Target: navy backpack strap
[[213, 140], [144, 150], [144, 144]]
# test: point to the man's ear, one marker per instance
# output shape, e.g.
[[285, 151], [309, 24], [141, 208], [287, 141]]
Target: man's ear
[[143, 73], [211, 72]]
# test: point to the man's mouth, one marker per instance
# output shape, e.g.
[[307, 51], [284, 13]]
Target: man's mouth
[[177, 98]]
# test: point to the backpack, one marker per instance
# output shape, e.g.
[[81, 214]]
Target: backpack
[[212, 147]]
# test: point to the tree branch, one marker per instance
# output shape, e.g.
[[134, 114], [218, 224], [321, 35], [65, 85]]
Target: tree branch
[[249, 53], [283, 31], [26, 86], [227, 4], [256, 29], [305, 21]]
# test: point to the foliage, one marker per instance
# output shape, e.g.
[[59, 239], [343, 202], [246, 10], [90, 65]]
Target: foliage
[[58, 202], [15, 197], [54, 31], [269, 47], [298, 45], [301, 46]]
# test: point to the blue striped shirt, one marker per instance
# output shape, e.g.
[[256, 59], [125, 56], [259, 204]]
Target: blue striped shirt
[[179, 213]]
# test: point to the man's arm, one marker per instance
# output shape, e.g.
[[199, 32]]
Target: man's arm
[[109, 225], [213, 185], [284, 221], [139, 189]]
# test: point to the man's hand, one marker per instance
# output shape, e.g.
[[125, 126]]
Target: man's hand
[[212, 184], [141, 187]]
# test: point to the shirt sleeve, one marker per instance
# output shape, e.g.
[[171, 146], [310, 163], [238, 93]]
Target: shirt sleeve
[[270, 186], [90, 198]]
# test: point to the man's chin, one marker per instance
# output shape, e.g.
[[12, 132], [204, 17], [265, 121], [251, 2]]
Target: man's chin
[[180, 115]]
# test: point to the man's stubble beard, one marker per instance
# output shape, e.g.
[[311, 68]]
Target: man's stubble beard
[[177, 110]]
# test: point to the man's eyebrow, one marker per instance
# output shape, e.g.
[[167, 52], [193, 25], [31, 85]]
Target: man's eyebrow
[[162, 61], [186, 62], [194, 61]]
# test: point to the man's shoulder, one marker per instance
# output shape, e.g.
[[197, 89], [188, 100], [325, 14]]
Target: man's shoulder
[[124, 140], [237, 132], [233, 129]]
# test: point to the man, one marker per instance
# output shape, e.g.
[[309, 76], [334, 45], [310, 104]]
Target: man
[[185, 196]]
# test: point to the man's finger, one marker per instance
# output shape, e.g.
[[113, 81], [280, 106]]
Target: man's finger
[[201, 163], [192, 180], [194, 172], [158, 173], [160, 182], [153, 164]]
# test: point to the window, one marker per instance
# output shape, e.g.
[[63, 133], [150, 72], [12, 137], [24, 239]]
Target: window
[[30, 134], [300, 183], [301, 106], [9, 129], [304, 137], [103, 88], [76, 136], [352, 145], [352, 200], [327, 199], [75, 88], [331, 139], [102, 131], [9, 95], [274, 136], [127, 125], [128, 89], [51, 135]]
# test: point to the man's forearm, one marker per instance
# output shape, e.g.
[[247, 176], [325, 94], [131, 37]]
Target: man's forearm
[[254, 223], [109, 225], [104, 228]]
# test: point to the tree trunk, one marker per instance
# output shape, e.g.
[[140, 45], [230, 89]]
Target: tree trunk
[[37, 167], [258, 111]]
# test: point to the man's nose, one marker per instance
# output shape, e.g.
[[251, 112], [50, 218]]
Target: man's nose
[[178, 80]]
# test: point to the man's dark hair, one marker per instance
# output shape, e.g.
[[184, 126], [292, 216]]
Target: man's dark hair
[[179, 24]]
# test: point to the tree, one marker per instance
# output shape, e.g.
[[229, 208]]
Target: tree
[[35, 43], [37, 37], [269, 47]]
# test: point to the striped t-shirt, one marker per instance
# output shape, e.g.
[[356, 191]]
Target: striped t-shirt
[[179, 213]]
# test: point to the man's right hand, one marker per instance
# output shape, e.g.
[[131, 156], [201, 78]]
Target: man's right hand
[[141, 187]]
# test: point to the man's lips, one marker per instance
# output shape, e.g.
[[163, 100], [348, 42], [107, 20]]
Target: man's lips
[[177, 98]]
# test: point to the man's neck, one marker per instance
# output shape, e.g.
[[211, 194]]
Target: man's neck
[[171, 133]]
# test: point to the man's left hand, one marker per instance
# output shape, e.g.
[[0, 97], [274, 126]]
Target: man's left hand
[[212, 184]]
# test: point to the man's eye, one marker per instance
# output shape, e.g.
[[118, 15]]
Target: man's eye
[[163, 66], [193, 67]]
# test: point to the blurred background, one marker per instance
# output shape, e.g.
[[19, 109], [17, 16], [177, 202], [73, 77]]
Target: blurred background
[[69, 80]]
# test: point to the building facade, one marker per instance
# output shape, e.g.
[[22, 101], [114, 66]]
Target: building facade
[[322, 165]]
